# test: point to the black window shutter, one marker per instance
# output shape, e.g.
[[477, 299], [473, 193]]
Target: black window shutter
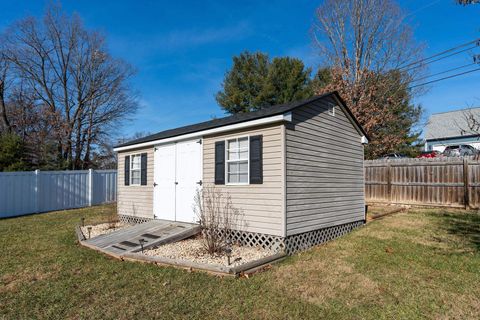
[[220, 162], [127, 170], [256, 160], [143, 170]]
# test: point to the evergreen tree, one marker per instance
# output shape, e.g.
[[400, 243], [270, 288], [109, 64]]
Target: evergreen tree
[[322, 78], [255, 82], [12, 153], [287, 81]]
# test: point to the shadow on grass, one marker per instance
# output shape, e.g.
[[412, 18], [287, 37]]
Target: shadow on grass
[[465, 225]]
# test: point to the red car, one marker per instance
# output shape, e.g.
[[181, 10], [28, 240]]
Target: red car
[[428, 154]]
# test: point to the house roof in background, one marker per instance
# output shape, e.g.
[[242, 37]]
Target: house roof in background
[[237, 118], [451, 124]]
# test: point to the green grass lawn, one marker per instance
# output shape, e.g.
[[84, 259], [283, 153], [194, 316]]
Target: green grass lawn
[[417, 264]]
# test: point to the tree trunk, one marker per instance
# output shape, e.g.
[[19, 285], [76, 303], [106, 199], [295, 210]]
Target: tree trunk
[[78, 145], [89, 139], [3, 108]]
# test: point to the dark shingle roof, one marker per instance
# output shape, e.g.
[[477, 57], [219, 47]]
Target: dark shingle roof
[[234, 119]]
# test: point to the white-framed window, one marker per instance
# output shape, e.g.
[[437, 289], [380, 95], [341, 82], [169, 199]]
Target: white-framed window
[[135, 169], [237, 160]]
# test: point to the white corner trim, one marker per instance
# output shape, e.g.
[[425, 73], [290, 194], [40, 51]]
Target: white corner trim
[[242, 125], [364, 140]]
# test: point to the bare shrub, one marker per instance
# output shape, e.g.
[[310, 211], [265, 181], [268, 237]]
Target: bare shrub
[[217, 216], [112, 218]]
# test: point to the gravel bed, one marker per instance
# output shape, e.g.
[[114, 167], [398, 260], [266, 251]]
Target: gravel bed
[[192, 250], [103, 228]]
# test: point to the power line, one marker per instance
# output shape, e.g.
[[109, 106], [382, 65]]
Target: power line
[[476, 41], [444, 78], [422, 8], [443, 72], [441, 58]]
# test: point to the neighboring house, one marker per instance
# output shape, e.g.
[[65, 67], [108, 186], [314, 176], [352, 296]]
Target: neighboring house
[[453, 128], [295, 171]]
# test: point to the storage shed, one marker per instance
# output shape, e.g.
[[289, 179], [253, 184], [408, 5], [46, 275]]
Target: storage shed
[[295, 171]]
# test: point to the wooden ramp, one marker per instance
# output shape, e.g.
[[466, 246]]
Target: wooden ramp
[[154, 233]]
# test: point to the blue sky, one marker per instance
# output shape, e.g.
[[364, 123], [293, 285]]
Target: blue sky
[[181, 49]]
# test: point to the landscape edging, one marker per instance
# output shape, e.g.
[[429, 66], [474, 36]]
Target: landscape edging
[[216, 269]]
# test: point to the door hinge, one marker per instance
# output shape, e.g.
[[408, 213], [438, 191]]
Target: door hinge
[[154, 184], [155, 149], [199, 182], [199, 141]]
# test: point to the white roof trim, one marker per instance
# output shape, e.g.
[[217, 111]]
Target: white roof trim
[[364, 140], [242, 125]]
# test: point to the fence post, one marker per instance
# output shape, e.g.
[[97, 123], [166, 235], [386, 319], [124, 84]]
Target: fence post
[[389, 181], [90, 187], [466, 187], [37, 191]]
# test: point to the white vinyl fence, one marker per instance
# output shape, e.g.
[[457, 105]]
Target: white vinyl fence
[[41, 191]]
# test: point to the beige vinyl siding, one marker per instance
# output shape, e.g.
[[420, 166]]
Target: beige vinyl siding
[[262, 205], [135, 200], [324, 168]]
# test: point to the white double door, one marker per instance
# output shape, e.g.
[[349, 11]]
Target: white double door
[[177, 177]]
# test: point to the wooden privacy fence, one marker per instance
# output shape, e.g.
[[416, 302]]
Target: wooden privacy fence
[[453, 182], [28, 192]]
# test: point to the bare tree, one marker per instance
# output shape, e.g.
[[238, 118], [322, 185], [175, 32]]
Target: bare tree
[[71, 74], [358, 36], [369, 49], [470, 124], [4, 65]]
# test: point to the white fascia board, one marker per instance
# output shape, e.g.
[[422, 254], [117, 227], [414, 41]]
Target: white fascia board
[[364, 140], [242, 125]]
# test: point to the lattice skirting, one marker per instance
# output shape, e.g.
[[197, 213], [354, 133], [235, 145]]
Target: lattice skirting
[[132, 219], [253, 239], [290, 244], [309, 239], [295, 243]]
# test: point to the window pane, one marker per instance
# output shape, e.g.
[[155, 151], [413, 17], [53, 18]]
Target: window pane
[[243, 143], [233, 167], [232, 155], [243, 155], [233, 178], [232, 144], [243, 167], [243, 178]]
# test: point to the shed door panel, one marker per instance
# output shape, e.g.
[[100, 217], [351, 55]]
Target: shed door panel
[[189, 174], [164, 177]]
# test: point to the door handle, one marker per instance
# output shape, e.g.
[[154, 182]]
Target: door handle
[[199, 182], [176, 182]]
